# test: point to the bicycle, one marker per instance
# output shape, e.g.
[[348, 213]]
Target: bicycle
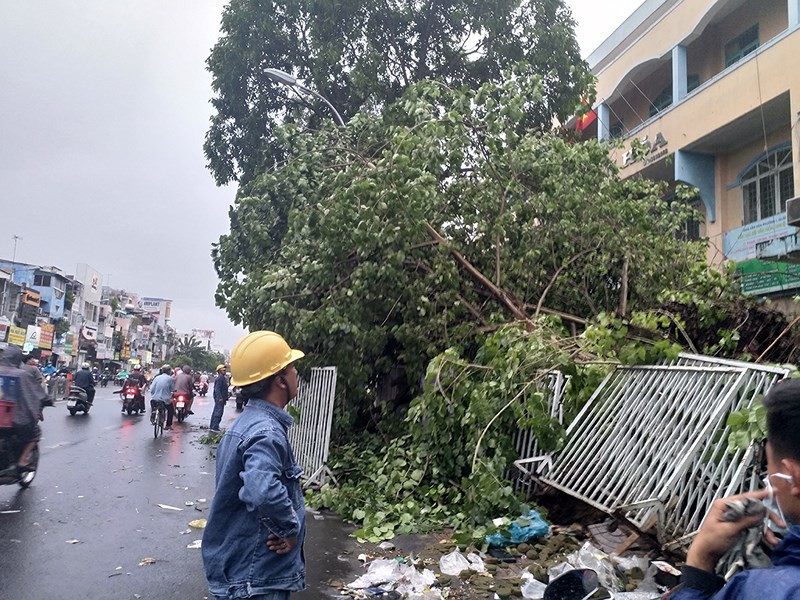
[[158, 418]]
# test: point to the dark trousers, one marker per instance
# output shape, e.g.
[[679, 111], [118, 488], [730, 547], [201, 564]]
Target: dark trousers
[[216, 415], [90, 394]]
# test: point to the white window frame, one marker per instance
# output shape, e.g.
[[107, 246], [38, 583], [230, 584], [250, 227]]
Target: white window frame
[[769, 166]]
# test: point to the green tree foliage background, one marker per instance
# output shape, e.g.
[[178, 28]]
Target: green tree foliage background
[[390, 240], [362, 56]]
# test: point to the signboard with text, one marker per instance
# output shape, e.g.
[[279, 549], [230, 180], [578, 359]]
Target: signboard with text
[[48, 333], [16, 336], [69, 340], [32, 336], [740, 244], [761, 277]]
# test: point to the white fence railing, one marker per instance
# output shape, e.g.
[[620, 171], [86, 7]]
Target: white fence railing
[[652, 443], [310, 436]]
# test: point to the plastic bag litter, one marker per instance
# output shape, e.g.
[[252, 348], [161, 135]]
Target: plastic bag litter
[[476, 563], [414, 583], [590, 557], [533, 589], [379, 571], [393, 575], [453, 563], [627, 563], [521, 529]]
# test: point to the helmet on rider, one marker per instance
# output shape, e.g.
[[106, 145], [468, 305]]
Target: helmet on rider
[[85, 365], [165, 368], [260, 355], [186, 369], [137, 368]]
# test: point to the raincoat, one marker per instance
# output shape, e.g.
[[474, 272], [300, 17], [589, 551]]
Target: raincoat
[[31, 394]]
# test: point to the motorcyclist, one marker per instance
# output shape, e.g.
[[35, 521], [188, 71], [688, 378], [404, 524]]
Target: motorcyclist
[[27, 406], [83, 379], [184, 384], [136, 379]]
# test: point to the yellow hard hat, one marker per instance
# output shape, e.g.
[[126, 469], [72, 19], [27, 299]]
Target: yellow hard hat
[[259, 355], [220, 367]]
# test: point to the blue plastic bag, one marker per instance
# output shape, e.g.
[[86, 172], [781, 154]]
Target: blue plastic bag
[[521, 529]]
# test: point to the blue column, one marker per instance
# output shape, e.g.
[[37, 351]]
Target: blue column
[[794, 13], [698, 170], [603, 122], [680, 74]]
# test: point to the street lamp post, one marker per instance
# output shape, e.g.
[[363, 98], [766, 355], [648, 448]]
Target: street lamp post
[[292, 81]]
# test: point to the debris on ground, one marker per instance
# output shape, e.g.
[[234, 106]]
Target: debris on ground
[[147, 561], [445, 569], [520, 530]]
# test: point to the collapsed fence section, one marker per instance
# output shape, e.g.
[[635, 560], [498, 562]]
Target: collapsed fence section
[[525, 441], [310, 435], [652, 443]]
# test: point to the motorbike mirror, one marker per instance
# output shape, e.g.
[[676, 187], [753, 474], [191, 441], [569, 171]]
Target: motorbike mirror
[[578, 584]]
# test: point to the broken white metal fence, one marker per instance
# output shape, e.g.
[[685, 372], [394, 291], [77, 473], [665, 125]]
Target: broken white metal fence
[[525, 441], [652, 443], [310, 435]]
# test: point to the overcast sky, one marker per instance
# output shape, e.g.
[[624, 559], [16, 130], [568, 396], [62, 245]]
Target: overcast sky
[[103, 109]]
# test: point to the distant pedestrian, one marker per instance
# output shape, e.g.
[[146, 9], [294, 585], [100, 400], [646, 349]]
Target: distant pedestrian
[[253, 541], [220, 398]]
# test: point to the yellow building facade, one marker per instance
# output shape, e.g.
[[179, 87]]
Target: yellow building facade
[[707, 92]]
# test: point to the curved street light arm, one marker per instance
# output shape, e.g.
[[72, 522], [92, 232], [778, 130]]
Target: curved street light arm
[[339, 119]]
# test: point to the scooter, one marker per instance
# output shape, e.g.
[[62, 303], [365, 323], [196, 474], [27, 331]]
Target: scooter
[[78, 400], [104, 379], [132, 400], [201, 388], [181, 409]]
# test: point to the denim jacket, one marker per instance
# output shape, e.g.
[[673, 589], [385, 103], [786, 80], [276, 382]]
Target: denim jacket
[[258, 492]]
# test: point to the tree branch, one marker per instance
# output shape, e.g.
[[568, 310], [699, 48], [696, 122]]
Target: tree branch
[[552, 281], [497, 292]]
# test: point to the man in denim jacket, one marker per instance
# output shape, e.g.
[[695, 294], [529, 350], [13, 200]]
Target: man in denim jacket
[[253, 541]]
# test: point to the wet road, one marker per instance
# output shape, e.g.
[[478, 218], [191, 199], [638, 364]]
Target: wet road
[[101, 478]]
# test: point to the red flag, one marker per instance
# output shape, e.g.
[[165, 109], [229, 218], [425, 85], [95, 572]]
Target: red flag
[[585, 120]]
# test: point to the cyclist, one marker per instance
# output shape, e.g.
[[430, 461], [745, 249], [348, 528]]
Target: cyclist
[[161, 390]]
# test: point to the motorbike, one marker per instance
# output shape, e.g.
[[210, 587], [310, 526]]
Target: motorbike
[[132, 400], [10, 449], [180, 401], [10, 445], [201, 388], [78, 400], [104, 379]]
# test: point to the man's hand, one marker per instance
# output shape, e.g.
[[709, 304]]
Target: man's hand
[[717, 535], [281, 545]]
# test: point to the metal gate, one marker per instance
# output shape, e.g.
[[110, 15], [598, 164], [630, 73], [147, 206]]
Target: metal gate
[[651, 443], [310, 435]]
